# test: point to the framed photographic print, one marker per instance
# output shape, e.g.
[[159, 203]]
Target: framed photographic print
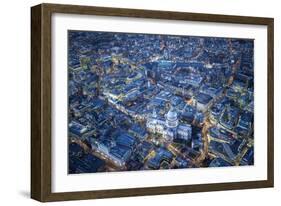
[[130, 102]]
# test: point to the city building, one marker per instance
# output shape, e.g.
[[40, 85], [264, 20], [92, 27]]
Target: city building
[[203, 102], [170, 128]]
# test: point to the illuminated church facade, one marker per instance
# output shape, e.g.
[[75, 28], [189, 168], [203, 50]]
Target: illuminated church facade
[[170, 128]]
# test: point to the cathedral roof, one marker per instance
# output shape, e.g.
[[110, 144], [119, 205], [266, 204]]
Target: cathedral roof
[[172, 115]]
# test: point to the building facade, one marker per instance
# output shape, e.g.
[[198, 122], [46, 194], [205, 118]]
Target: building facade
[[169, 128]]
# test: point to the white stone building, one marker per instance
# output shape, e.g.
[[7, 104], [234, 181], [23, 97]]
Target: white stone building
[[170, 128]]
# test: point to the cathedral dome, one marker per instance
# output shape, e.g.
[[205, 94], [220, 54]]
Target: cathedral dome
[[172, 115], [172, 118]]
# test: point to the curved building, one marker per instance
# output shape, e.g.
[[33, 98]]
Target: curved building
[[172, 118]]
